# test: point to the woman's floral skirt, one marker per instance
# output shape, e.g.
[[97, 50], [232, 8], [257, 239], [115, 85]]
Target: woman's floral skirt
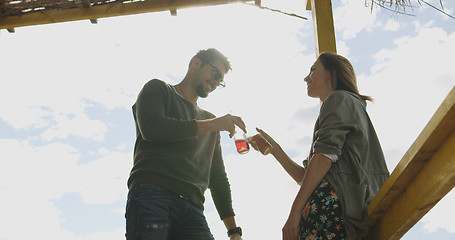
[[322, 216]]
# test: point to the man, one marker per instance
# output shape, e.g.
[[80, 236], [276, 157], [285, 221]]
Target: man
[[177, 156]]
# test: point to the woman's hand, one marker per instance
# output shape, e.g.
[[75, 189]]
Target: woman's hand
[[273, 143], [291, 228]]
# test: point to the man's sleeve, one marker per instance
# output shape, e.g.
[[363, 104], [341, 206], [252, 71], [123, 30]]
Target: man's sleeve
[[219, 184], [150, 116]]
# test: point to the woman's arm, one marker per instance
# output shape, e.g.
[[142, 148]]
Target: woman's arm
[[293, 169], [317, 169]]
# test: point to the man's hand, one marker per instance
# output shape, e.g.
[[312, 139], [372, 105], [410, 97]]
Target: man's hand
[[235, 236], [229, 222], [228, 123], [224, 123]]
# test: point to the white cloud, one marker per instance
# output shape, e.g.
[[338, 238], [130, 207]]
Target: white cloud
[[30, 176], [415, 73], [343, 49], [122, 147], [52, 170], [59, 110], [54, 94], [44, 170], [80, 126], [352, 17], [103, 151], [103, 181], [392, 25], [33, 177]]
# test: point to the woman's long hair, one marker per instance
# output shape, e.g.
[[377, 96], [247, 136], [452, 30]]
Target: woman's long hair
[[342, 73]]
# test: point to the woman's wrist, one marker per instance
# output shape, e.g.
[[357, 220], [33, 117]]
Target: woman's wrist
[[277, 151]]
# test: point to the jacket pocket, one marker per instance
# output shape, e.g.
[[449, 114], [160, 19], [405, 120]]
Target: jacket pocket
[[355, 201]]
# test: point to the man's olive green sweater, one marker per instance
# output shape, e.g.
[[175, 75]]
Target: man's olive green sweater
[[170, 153]]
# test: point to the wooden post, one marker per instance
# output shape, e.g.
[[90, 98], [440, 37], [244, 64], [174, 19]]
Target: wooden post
[[324, 31]]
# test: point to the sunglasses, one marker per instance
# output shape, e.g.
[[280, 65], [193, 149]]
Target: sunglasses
[[218, 75]]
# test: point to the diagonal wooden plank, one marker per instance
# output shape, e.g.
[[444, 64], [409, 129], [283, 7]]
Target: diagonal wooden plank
[[432, 183], [424, 175]]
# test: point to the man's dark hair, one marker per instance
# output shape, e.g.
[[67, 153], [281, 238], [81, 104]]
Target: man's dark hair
[[210, 55]]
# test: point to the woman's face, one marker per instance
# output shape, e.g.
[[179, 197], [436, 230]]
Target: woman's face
[[319, 84]]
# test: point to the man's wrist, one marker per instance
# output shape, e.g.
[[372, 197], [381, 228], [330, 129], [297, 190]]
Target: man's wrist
[[234, 231], [204, 126]]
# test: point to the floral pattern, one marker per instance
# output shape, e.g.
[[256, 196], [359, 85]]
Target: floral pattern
[[322, 216]]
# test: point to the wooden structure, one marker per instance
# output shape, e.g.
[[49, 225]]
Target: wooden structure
[[424, 175], [20, 13], [324, 30]]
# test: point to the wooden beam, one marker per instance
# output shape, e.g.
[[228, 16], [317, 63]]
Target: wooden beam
[[86, 3], [103, 11], [424, 175], [324, 31], [2, 6]]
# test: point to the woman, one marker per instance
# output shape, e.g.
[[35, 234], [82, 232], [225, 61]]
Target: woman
[[345, 167]]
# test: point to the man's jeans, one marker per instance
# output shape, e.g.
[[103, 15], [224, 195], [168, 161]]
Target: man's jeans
[[154, 213]]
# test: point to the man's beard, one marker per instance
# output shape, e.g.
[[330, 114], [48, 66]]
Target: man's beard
[[201, 91]]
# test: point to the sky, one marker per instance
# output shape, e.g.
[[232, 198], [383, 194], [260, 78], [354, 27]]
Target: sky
[[67, 131]]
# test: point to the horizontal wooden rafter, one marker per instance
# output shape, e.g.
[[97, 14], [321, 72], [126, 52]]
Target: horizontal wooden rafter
[[2, 6], [425, 175], [105, 10], [85, 3]]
